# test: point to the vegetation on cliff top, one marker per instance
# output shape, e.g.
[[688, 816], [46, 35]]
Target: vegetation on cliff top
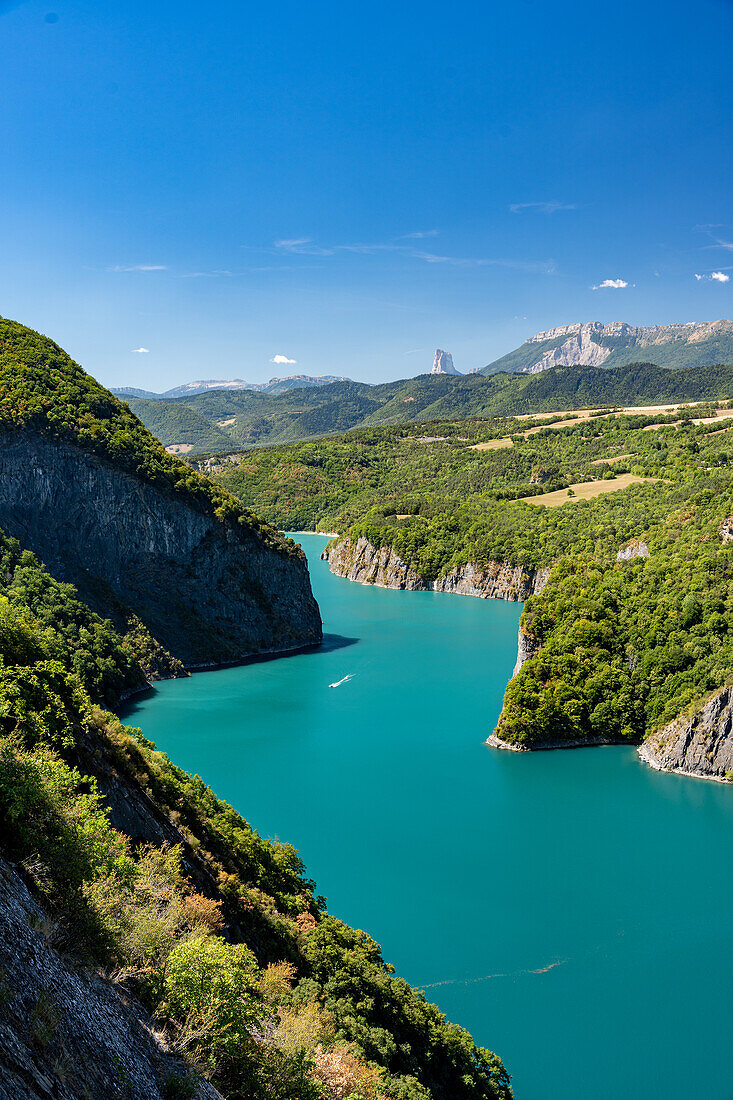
[[218, 931], [42, 389]]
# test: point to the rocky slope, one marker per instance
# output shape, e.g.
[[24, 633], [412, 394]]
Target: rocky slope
[[700, 744], [65, 1032], [593, 344], [363, 562]]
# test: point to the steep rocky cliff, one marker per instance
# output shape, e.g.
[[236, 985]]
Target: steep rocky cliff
[[527, 647], [86, 487], [361, 561], [700, 744], [208, 594]]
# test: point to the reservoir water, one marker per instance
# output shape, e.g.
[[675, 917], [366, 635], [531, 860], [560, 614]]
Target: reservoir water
[[572, 909]]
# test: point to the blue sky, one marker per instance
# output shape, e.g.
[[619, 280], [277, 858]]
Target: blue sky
[[350, 186]]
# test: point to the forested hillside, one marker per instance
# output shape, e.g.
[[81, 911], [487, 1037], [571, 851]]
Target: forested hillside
[[248, 419], [625, 645]]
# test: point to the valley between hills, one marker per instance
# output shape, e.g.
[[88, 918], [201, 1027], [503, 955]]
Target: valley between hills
[[143, 898]]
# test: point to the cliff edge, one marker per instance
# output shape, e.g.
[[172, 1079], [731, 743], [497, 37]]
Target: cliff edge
[[700, 744], [358, 560], [87, 488]]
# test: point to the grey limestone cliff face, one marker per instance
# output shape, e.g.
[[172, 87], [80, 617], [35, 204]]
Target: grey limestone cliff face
[[208, 594], [527, 647], [700, 744], [65, 1033], [363, 562]]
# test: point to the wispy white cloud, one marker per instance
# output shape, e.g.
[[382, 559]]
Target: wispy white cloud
[[208, 274], [283, 359], [141, 351], [304, 246], [716, 276], [611, 284], [420, 235], [551, 207], [138, 267]]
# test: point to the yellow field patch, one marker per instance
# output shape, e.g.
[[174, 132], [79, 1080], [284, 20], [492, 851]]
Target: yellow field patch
[[492, 445], [586, 490], [179, 448], [613, 458]]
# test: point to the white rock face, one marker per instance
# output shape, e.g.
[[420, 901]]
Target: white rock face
[[443, 363], [554, 333], [589, 344], [634, 549], [726, 529]]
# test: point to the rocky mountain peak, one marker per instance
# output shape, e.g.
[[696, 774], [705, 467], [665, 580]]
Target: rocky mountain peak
[[443, 363]]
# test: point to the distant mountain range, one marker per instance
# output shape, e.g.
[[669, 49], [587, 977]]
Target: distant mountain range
[[574, 366], [593, 344], [189, 389], [233, 420]]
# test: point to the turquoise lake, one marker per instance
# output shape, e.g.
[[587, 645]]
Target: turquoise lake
[[571, 909]]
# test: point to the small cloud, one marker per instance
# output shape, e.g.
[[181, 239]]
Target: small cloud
[[208, 274], [419, 236], [138, 267], [541, 207], [611, 284], [302, 246], [283, 359], [715, 276], [141, 351]]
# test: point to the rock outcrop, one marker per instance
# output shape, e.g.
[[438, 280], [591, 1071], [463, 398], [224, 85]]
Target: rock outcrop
[[726, 529], [64, 1032], [361, 561], [209, 594], [443, 363], [700, 744], [527, 647], [634, 549]]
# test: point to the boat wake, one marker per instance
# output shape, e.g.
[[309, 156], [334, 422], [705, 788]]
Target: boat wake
[[340, 682]]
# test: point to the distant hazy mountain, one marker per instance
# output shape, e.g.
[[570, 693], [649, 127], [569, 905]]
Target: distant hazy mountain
[[190, 389], [593, 344]]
